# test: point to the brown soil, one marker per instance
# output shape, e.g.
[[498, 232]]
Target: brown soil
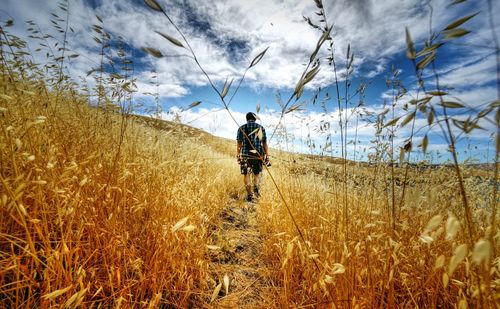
[[240, 259]]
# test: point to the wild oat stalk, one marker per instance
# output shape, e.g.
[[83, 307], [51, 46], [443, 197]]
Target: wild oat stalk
[[429, 54]]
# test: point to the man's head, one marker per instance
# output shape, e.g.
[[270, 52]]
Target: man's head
[[251, 116]]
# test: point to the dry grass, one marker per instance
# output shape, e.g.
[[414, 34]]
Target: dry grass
[[96, 226], [102, 208], [377, 266], [83, 225]]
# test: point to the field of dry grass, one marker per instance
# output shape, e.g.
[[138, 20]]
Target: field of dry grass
[[87, 221], [103, 208], [419, 263], [94, 222]]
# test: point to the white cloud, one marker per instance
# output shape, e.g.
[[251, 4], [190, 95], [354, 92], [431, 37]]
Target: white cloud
[[226, 35], [215, 121], [163, 91], [152, 83], [469, 74], [477, 96], [374, 29]]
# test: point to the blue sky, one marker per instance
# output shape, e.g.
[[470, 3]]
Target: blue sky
[[226, 35]]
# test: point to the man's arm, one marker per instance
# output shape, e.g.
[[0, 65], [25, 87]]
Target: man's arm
[[265, 159], [264, 141], [238, 148]]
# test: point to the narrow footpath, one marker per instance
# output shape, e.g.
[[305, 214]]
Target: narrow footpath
[[238, 261]]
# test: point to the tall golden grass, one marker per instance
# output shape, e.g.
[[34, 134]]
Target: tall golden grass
[[103, 208], [84, 225], [425, 262]]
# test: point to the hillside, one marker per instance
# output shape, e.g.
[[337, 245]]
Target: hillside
[[101, 207], [104, 210]]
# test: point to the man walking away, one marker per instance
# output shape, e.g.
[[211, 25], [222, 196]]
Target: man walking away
[[251, 153]]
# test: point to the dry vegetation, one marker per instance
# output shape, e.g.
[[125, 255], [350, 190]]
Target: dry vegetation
[[95, 222], [372, 264], [83, 225], [102, 208]]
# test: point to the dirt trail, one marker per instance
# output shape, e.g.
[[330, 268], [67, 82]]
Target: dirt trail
[[239, 258]]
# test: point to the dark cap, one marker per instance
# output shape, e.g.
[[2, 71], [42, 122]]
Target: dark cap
[[251, 116]]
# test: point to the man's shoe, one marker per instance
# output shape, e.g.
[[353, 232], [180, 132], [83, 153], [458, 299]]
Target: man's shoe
[[256, 192], [249, 197]]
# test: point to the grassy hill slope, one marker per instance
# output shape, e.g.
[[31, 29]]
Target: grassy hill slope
[[100, 209]]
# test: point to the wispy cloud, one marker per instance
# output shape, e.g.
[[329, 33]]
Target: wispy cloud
[[473, 73], [227, 35]]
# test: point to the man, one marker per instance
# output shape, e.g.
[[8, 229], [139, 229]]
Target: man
[[251, 153]]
